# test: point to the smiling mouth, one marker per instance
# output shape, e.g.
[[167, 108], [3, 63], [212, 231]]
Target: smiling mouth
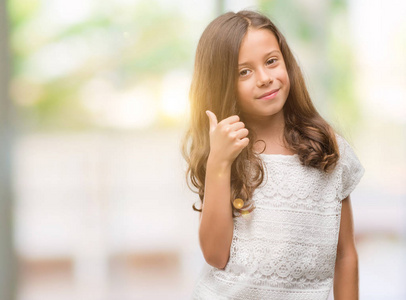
[[269, 95]]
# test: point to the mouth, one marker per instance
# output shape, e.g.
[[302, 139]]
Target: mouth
[[269, 95]]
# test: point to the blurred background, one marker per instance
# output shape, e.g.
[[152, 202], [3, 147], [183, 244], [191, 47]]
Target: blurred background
[[93, 107]]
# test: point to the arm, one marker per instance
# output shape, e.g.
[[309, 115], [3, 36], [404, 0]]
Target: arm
[[216, 223], [227, 139], [346, 267]]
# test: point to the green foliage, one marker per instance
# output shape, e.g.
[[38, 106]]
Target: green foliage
[[342, 65], [138, 42], [289, 16], [20, 11]]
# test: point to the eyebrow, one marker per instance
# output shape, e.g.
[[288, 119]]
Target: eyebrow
[[269, 53]]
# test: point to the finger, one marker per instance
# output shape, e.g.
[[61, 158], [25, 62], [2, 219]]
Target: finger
[[212, 120], [242, 133], [230, 120], [237, 126], [244, 142]]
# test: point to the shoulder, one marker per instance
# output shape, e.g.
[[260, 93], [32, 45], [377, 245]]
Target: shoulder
[[349, 168], [345, 148], [342, 142], [348, 161]]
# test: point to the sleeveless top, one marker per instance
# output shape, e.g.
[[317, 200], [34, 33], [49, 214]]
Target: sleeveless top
[[285, 249]]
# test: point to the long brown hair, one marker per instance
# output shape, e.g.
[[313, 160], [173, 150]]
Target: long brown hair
[[214, 88]]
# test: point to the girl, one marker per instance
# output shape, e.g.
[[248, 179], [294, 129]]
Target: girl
[[273, 177]]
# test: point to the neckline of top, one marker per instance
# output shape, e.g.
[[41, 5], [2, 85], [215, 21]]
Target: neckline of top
[[279, 156]]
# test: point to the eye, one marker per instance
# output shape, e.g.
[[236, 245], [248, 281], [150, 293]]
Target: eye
[[271, 61], [244, 72]]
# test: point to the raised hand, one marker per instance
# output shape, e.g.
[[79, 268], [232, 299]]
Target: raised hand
[[227, 138]]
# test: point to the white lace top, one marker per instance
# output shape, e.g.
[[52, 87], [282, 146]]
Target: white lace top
[[286, 248]]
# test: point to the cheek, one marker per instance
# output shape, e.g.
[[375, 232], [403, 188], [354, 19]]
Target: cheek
[[242, 90], [283, 75], [244, 96], [287, 82]]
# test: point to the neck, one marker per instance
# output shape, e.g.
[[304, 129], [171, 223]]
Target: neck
[[270, 129], [267, 128]]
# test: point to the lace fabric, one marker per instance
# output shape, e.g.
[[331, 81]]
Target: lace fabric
[[286, 248]]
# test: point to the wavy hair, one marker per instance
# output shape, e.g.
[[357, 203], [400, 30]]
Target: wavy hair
[[214, 88]]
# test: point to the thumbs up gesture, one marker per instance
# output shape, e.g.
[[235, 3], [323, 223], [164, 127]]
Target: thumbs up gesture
[[227, 138]]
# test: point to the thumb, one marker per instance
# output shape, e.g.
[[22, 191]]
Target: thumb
[[212, 120]]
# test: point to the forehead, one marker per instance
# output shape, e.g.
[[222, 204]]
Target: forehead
[[257, 43]]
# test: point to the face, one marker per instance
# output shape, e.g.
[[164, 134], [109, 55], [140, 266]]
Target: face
[[263, 82]]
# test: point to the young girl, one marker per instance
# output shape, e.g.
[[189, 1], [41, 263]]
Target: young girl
[[273, 177]]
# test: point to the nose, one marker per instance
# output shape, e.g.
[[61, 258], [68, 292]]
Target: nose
[[264, 78]]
